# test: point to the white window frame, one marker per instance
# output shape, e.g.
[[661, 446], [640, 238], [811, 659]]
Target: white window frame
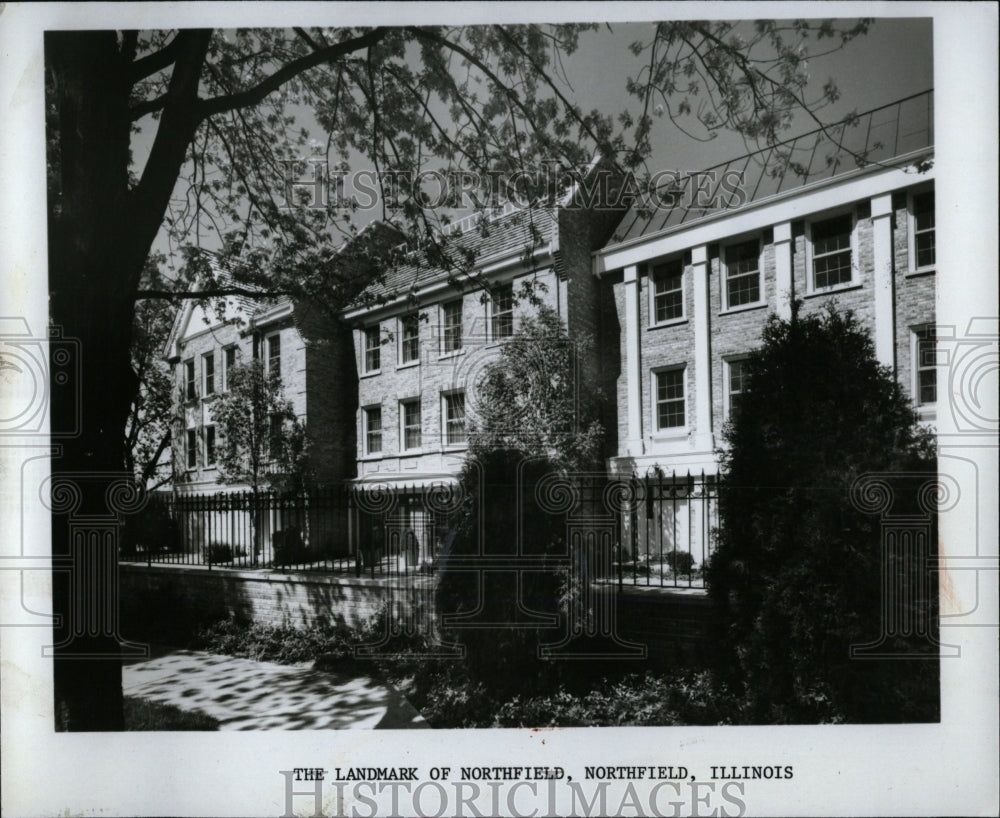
[[491, 315], [365, 430], [267, 352], [442, 312], [724, 277], [403, 448], [911, 232], [205, 358], [400, 325], [651, 289], [377, 330], [225, 365], [855, 280], [667, 431], [445, 419], [925, 411], [728, 361]]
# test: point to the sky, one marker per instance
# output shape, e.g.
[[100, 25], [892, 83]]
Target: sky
[[892, 61]]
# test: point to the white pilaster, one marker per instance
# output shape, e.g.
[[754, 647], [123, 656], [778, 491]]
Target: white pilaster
[[702, 350], [784, 287], [633, 362], [885, 346]]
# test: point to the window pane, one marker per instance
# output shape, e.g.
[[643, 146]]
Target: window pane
[[411, 424], [192, 449], [274, 355], [373, 350], [503, 312], [189, 379], [833, 269], [670, 399], [668, 292], [926, 366], [743, 273], [373, 422], [209, 363], [410, 348], [452, 330], [210, 446], [831, 246], [455, 418], [737, 374]]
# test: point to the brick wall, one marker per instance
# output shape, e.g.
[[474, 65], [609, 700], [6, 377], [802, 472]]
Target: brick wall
[[171, 602], [175, 600], [434, 374], [736, 332]]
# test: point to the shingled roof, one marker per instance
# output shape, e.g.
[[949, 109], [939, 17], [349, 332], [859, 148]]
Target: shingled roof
[[484, 238], [880, 136]]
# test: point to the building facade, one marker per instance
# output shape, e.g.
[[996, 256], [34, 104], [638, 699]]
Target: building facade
[[693, 283]]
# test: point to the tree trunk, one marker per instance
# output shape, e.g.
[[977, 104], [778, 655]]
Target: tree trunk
[[92, 283], [100, 233]]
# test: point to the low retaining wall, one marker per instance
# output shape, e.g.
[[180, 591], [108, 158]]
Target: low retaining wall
[[173, 601]]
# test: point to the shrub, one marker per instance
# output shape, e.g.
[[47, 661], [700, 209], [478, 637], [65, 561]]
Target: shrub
[[288, 547], [797, 574], [680, 562], [219, 552]]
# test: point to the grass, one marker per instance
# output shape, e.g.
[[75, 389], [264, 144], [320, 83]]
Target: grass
[[142, 714]]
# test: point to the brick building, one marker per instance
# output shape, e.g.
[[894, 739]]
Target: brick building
[[692, 279]]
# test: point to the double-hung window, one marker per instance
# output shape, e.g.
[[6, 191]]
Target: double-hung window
[[409, 341], [923, 247], [373, 429], [190, 384], [454, 418], [373, 349], [274, 355], [410, 416], [502, 312], [735, 383], [451, 326], [228, 362], [191, 449], [925, 365], [742, 270], [832, 254], [670, 406], [209, 445], [208, 373], [668, 291]]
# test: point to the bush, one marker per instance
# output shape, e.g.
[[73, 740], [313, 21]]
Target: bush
[[218, 552], [797, 574], [288, 547], [680, 562]]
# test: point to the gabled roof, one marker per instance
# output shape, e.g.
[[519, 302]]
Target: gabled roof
[[881, 135], [484, 239]]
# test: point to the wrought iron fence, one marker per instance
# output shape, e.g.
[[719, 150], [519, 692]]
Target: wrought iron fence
[[344, 529], [655, 530]]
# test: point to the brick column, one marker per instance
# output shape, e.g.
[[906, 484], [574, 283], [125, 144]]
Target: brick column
[[784, 288], [704, 440], [885, 347], [633, 362]]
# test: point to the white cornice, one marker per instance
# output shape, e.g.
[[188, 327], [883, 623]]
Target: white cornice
[[802, 201]]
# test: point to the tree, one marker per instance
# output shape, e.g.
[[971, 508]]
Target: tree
[[530, 424], [797, 573], [147, 433], [262, 442], [222, 107]]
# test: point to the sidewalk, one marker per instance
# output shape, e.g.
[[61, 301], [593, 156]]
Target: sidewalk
[[246, 695]]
